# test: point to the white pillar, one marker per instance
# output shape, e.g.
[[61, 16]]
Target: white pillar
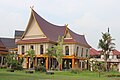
[[1, 60], [81, 64], [119, 67], [91, 66]]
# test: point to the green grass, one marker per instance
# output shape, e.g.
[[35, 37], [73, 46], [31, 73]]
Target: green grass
[[59, 75]]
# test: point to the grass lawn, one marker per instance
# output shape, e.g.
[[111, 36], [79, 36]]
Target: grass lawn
[[59, 75]]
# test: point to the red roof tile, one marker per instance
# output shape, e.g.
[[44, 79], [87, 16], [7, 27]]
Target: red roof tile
[[69, 41], [115, 52], [94, 52], [33, 40]]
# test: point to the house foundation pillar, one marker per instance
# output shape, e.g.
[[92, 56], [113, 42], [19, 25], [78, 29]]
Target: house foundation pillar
[[73, 63], [119, 67], [46, 63], [1, 60]]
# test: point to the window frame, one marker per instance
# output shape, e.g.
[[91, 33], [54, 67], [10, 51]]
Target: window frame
[[82, 52], [23, 49], [66, 50], [41, 49]]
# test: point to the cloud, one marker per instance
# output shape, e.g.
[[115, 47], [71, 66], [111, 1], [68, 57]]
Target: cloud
[[90, 17]]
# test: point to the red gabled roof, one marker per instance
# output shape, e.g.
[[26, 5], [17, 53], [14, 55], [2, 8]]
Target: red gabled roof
[[53, 31], [115, 52], [94, 52]]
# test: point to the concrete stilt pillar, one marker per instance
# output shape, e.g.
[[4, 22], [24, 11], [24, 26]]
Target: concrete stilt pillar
[[1, 60], [119, 67], [73, 63], [81, 64], [35, 64], [91, 67], [46, 63]]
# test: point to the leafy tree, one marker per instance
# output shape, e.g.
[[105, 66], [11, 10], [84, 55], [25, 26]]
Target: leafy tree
[[106, 45], [10, 59], [31, 54], [59, 51]]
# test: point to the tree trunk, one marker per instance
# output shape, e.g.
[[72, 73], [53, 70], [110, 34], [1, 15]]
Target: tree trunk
[[105, 59], [60, 67]]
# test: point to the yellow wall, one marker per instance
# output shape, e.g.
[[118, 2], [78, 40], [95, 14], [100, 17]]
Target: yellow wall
[[36, 47], [71, 48], [80, 50]]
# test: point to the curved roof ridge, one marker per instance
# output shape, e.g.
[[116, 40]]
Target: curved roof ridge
[[47, 21], [76, 33], [79, 38]]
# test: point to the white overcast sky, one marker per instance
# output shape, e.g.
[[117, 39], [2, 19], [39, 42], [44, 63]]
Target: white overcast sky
[[88, 17]]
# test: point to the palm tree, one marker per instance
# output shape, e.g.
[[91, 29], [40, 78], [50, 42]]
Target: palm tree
[[106, 45], [31, 54], [49, 54]]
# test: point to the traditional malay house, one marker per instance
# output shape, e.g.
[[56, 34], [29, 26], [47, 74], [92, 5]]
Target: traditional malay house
[[41, 35], [7, 45]]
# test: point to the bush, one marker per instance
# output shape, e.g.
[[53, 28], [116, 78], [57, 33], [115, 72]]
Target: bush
[[75, 70], [16, 66], [3, 66], [10, 70], [40, 68], [113, 75]]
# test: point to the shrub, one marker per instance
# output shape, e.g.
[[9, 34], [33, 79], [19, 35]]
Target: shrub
[[40, 68], [75, 70], [10, 70], [16, 66], [3, 66]]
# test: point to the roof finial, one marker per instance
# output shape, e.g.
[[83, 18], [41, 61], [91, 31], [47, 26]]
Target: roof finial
[[108, 29], [32, 7], [66, 25]]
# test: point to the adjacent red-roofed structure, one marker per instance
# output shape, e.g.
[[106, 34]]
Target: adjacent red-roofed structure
[[112, 60], [7, 45], [94, 52], [116, 52]]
